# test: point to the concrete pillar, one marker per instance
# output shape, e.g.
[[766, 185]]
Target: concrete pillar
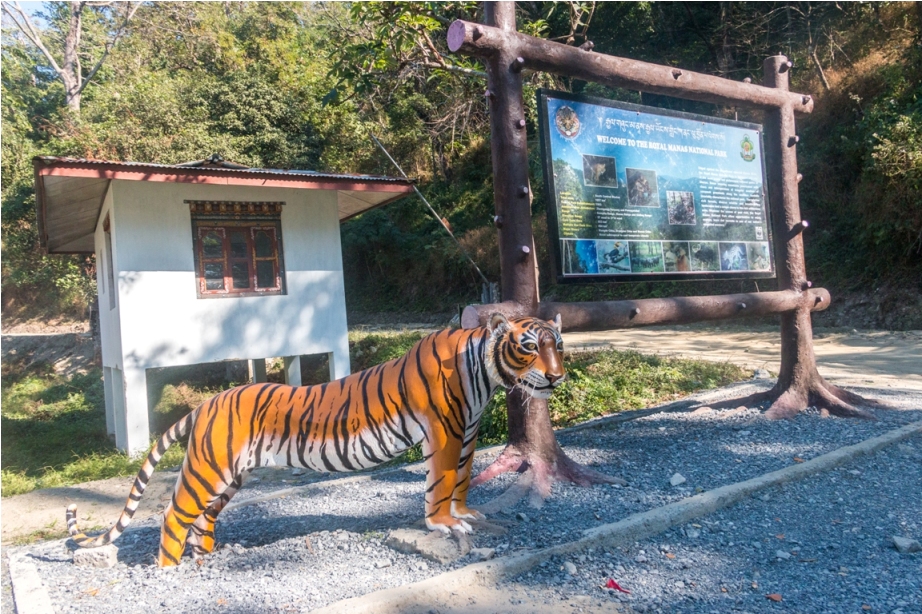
[[339, 364], [339, 358], [110, 401], [118, 407], [257, 368], [292, 370], [136, 438]]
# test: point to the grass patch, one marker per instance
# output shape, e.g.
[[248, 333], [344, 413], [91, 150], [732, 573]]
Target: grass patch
[[367, 349], [608, 381], [54, 428]]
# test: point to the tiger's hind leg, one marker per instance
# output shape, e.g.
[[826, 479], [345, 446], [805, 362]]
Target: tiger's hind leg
[[193, 495], [201, 536]]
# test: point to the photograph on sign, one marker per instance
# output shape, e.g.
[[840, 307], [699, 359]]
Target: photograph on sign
[[638, 192]]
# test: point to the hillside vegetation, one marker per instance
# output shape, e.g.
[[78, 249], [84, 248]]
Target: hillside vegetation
[[302, 85]]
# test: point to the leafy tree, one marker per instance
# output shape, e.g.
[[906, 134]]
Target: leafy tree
[[112, 16], [302, 84]]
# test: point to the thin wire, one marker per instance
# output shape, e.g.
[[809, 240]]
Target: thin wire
[[437, 216]]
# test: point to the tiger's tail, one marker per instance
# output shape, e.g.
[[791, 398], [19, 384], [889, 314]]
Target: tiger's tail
[[177, 431]]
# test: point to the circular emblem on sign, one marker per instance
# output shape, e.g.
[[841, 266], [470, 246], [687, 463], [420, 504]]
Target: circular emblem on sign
[[747, 149], [567, 122]]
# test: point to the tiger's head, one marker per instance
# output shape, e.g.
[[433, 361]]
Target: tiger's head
[[526, 352]]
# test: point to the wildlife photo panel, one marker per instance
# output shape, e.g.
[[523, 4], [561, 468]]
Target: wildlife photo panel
[[600, 171], [681, 208], [641, 188]]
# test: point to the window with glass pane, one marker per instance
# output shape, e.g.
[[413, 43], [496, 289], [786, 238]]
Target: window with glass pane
[[264, 254], [237, 257]]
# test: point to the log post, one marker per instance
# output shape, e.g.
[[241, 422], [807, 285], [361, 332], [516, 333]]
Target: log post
[[542, 55], [609, 315], [799, 383], [511, 190], [532, 444]]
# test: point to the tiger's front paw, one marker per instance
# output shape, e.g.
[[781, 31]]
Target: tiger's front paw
[[462, 511], [447, 524]]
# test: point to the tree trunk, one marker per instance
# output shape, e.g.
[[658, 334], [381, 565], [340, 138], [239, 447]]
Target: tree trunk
[[532, 448], [725, 61], [71, 73], [819, 67]]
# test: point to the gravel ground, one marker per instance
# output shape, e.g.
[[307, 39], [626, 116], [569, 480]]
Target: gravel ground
[[313, 548], [820, 545]]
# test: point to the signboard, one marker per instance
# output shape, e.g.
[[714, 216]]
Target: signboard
[[637, 192]]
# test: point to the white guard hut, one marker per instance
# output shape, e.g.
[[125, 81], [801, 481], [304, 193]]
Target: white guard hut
[[205, 262]]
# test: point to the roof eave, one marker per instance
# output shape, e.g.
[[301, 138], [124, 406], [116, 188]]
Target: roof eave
[[397, 196]]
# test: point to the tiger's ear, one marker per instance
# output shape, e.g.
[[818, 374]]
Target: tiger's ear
[[556, 323], [498, 321]]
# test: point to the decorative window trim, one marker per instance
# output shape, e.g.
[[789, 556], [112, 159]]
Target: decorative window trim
[[235, 229], [234, 210]]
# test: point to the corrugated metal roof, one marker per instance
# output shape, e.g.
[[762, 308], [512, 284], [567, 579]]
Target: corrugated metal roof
[[70, 191], [220, 165]]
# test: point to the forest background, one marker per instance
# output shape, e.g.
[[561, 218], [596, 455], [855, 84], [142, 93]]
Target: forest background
[[303, 85]]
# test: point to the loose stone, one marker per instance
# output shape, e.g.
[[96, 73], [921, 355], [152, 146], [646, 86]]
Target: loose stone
[[904, 545], [482, 554], [102, 557]]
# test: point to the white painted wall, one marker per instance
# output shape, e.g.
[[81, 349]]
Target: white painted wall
[[160, 322]]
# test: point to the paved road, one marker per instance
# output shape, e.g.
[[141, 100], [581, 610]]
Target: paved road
[[851, 358]]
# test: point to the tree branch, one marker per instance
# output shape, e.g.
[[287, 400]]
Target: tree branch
[[451, 67], [29, 31], [588, 21], [110, 45], [697, 31]]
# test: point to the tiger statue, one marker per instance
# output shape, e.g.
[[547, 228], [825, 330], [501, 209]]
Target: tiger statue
[[435, 394]]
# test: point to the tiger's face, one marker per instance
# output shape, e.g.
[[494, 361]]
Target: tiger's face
[[528, 352]]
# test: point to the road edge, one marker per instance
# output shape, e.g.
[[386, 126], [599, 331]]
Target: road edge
[[29, 594]]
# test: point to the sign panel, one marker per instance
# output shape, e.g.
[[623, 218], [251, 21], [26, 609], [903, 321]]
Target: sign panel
[[638, 192]]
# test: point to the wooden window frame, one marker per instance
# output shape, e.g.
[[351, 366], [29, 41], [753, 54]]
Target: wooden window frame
[[109, 260], [225, 219]]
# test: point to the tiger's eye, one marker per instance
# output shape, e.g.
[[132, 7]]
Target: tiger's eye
[[531, 347]]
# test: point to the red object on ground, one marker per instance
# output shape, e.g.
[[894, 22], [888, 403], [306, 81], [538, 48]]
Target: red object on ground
[[612, 584]]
